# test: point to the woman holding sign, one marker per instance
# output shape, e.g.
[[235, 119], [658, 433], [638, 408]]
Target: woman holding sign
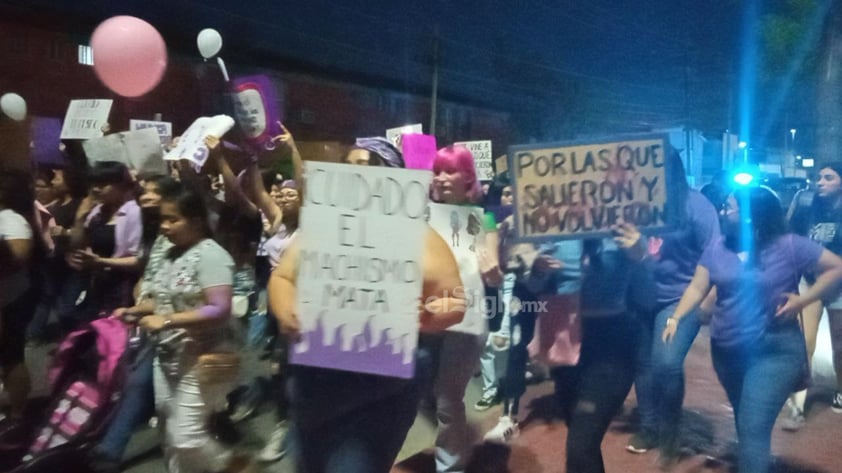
[[756, 342], [347, 422], [673, 256], [456, 192]]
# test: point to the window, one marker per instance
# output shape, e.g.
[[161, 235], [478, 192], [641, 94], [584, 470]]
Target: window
[[86, 55]]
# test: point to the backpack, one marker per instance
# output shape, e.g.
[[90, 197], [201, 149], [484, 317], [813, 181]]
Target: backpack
[[86, 377]]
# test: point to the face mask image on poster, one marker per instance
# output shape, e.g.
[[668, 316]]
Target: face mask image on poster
[[256, 109]]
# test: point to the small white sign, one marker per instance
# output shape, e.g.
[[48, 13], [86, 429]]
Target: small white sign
[[461, 226], [394, 134], [482, 158], [164, 129], [191, 145], [85, 118]]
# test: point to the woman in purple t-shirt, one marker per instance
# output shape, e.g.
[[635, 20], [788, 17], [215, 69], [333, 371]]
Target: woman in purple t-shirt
[[756, 343]]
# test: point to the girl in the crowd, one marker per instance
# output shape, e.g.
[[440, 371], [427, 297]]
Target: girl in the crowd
[[589, 282], [188, 310], [659, 382], [137, 402], [356, 423], [518, 322], [20, 252], [457, 353], [497, 305], [288, 198], [756, 342], [821, 221], [105, 240]]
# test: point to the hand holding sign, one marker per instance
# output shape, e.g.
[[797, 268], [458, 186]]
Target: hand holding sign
[[191, 146]]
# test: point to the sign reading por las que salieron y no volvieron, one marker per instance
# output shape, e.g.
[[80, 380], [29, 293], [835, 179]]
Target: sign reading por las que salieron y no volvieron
[[579, 190], [360, 276]]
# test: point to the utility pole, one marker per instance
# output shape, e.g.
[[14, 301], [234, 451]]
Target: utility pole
[[435, 93]]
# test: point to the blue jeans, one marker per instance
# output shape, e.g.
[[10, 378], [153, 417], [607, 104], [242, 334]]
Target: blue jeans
[[659, 382], [136, 406], [758, 377]]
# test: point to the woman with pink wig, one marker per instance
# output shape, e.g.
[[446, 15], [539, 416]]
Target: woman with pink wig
[[457, 351]]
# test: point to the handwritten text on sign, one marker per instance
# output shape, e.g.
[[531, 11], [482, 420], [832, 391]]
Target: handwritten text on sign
[[85, 119], [481, 150], [360, 274], [583, 189]]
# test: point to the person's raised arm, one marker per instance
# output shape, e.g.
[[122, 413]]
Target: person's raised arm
[[234, 195], [257, 193]]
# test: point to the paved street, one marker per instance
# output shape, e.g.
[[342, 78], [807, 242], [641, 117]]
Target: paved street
[[708, 427]]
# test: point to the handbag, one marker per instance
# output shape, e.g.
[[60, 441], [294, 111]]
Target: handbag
[[218, 367]]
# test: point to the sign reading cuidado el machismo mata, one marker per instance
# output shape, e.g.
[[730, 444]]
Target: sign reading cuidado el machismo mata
[[580, 190]]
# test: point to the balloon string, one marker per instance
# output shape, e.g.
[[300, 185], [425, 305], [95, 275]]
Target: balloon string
[[223, 69]]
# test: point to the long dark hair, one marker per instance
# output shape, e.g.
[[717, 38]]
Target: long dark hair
[[762, 215], [676, 207]]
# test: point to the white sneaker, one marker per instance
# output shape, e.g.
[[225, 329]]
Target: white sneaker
[[276, 447], [505, 431]]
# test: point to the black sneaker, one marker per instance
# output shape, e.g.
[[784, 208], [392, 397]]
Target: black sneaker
[[487, 401], [642, 442], [836, 405]]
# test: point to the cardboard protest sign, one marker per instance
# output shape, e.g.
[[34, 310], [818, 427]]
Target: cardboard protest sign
[[501, 164], [85, 119], [139, 150], [164, 129], [579, 190], [257, 111], [481, 150], [358, 291], [419, 151], [191, 145], [395, 134], [461, 227]]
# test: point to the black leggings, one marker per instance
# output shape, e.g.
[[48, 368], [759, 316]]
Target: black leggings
[[593, 391]]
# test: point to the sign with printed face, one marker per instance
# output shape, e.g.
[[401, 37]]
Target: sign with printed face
[[191, 145], [461, 226], [164, 129], [481, 150], [358, 293], [85, 119], [581, 190], [395, 135], [257, 111]]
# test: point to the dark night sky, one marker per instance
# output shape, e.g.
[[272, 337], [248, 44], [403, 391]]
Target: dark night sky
[[611, 63]]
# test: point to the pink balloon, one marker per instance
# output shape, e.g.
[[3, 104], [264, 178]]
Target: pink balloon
[[130, 56]]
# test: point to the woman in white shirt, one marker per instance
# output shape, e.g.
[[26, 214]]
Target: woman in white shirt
[[18, 289]]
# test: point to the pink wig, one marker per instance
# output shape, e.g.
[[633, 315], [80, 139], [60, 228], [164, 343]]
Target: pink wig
[[458, 158]]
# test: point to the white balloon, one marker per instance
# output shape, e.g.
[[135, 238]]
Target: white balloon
[[209, 42], [14, 106]]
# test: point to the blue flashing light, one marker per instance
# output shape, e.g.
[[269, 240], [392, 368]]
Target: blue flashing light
[[743, 178]]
